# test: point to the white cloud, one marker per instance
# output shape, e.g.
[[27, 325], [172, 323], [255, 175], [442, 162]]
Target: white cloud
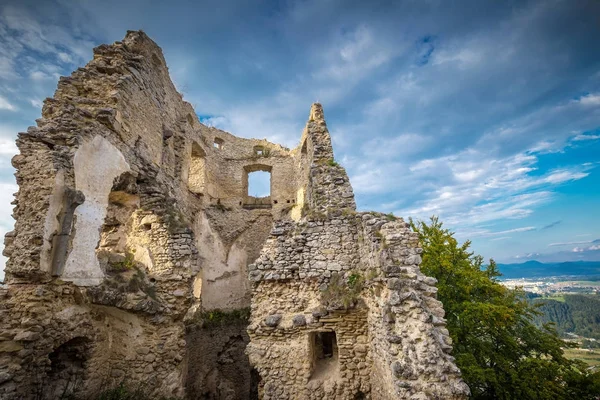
[[470, 187], [528, 255], [352, 55], [8, 147], [568, 243], [590, 100], [36, 103], [464, 57], [582, 137], [64, 57], [38, 75], [515, 230], [6, 105]]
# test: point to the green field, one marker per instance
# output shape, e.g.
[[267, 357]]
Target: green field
[[556, 297], [591, 357]]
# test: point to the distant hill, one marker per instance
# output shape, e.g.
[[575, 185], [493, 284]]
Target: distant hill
[[536, 269], [579, 314]]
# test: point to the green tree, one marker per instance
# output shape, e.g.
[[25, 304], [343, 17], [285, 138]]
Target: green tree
[[501, 353]]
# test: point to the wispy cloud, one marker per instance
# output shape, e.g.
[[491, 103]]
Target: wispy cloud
[[481, 117], [583, 137], [569, 243], [6, 105], [552, 225]]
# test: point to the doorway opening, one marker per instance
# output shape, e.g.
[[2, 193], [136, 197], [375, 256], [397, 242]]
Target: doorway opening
[[324, 350]]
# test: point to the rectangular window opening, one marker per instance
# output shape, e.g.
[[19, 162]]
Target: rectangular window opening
[[257, 183]]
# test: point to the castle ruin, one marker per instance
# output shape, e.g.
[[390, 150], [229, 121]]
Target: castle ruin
[[136, 240]]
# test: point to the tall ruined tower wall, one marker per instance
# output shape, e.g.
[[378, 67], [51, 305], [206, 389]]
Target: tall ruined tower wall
[[340, 309], [134, 221]]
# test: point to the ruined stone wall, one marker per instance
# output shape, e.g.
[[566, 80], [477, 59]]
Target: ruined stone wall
[[134, 226], [355, 277], [129, 221], [391, 335]]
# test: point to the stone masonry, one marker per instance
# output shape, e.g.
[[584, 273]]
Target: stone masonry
[[134, 227]]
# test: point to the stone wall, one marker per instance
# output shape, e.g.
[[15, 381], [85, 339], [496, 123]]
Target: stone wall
[[355, 276], [134, 224], [391, 333], [137, 216]]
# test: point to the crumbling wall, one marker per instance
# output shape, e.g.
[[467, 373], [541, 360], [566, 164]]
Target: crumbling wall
[[108, 224], [134, 227], [218, 366], [355, 277]]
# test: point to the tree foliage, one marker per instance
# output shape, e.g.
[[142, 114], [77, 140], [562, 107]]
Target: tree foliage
[[501, 353], [579, 314]]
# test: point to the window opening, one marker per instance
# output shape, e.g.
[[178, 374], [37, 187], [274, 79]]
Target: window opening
[[257, 186], [197, 172], [218, 143]]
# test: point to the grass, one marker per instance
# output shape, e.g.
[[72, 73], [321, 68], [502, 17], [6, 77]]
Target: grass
[[332, 163], [218, 317], [555, 297]]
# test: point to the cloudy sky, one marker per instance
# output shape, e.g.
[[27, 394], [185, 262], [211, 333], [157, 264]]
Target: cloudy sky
[[487, 115]]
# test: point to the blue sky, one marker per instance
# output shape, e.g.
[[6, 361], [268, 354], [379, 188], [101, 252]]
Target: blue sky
[[484, 113]]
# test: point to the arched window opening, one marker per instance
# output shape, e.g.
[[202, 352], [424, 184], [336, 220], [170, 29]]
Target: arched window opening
[[257, 185], [197, 172], [218, 143], [259, 150]]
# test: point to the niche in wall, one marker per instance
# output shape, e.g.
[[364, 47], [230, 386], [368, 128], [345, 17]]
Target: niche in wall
[[68, 367], [218, 143], [197, 172]]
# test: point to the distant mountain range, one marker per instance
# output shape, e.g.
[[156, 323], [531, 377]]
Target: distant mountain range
[[536, 269]]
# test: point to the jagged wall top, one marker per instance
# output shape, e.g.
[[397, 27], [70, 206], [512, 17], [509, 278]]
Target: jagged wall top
[[125, 97]]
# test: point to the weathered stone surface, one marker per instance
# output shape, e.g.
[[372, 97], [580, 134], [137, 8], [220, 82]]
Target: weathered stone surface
[[272, 320], [135, 232]]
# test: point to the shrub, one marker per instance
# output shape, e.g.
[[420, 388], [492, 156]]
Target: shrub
[[342, 293], [218, 317]]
